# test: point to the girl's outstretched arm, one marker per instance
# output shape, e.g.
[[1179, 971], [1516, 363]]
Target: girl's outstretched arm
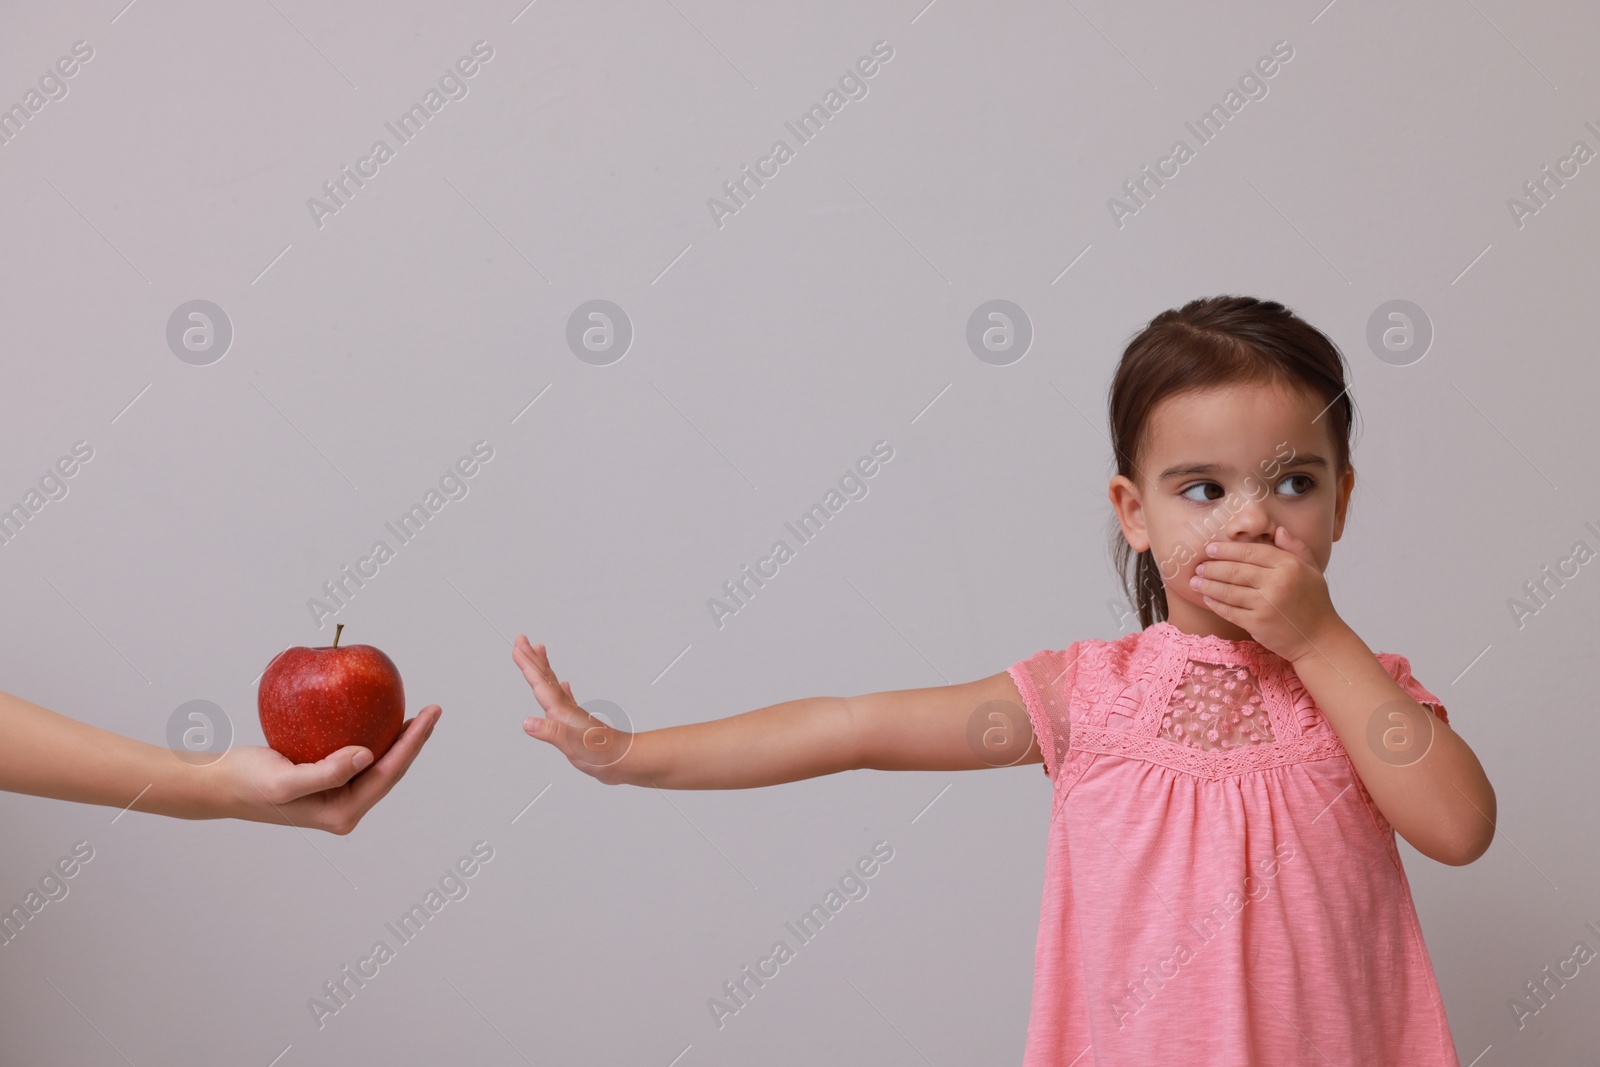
[[51, 755], [954, 727]]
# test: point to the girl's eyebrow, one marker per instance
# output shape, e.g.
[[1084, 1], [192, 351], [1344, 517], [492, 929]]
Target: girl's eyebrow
[[1187, 470]]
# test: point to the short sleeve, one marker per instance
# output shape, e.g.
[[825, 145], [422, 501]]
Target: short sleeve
[[1399, 669], [1045, 680]]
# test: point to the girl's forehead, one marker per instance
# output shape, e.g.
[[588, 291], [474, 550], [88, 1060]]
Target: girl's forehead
[[1234, 422]]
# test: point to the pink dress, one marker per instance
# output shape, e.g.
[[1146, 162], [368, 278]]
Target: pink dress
[[1219, 889]]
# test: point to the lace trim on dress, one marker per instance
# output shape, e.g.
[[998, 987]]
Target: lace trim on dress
[[1211, 707], [1217, 707], [1213, 765]]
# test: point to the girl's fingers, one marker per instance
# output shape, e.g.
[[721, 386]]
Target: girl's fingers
[[1218, 592], [1292, 544], [533, 661], [537, 674], [1230, 571], [522, 655], [554, 696]]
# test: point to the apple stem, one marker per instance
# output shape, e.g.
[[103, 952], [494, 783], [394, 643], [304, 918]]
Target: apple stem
[[337, 630]]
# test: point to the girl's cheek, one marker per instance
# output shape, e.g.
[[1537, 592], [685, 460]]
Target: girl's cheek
[[1178, 575], [1176, 562]]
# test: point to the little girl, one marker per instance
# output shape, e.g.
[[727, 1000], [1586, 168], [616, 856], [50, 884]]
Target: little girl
[[1222, 883]]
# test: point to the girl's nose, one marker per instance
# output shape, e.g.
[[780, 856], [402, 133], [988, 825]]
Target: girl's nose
[[1251, 522]]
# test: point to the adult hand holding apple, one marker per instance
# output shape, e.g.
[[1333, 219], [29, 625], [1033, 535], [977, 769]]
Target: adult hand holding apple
[[327, 713], [47, 754], [265, 786]]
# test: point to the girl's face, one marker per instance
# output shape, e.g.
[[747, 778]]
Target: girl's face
[[1230, 463]]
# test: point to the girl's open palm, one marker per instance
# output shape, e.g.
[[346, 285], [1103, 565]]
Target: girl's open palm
[[589, 744]]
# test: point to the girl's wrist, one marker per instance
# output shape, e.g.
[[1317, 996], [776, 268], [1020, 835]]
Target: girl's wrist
[[638, 764], [1320, 642]]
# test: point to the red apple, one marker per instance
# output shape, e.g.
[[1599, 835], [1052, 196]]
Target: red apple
[[314, 701]]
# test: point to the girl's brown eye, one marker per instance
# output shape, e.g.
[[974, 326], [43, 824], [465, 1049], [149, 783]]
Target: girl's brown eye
[[1202, 485]]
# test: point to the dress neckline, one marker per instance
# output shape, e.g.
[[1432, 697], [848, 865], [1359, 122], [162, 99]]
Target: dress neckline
[[1212, 643]]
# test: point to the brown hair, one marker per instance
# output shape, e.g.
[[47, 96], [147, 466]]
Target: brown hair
[[1219, 340]]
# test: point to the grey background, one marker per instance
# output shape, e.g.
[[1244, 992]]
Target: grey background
[[768, 356]]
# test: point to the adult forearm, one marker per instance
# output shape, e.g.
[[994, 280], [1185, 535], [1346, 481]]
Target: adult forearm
[[781, 743], [1432, 789], [50, 755]]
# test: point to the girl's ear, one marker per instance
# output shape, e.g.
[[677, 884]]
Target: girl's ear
[[1130, 512], [1347, 482]]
